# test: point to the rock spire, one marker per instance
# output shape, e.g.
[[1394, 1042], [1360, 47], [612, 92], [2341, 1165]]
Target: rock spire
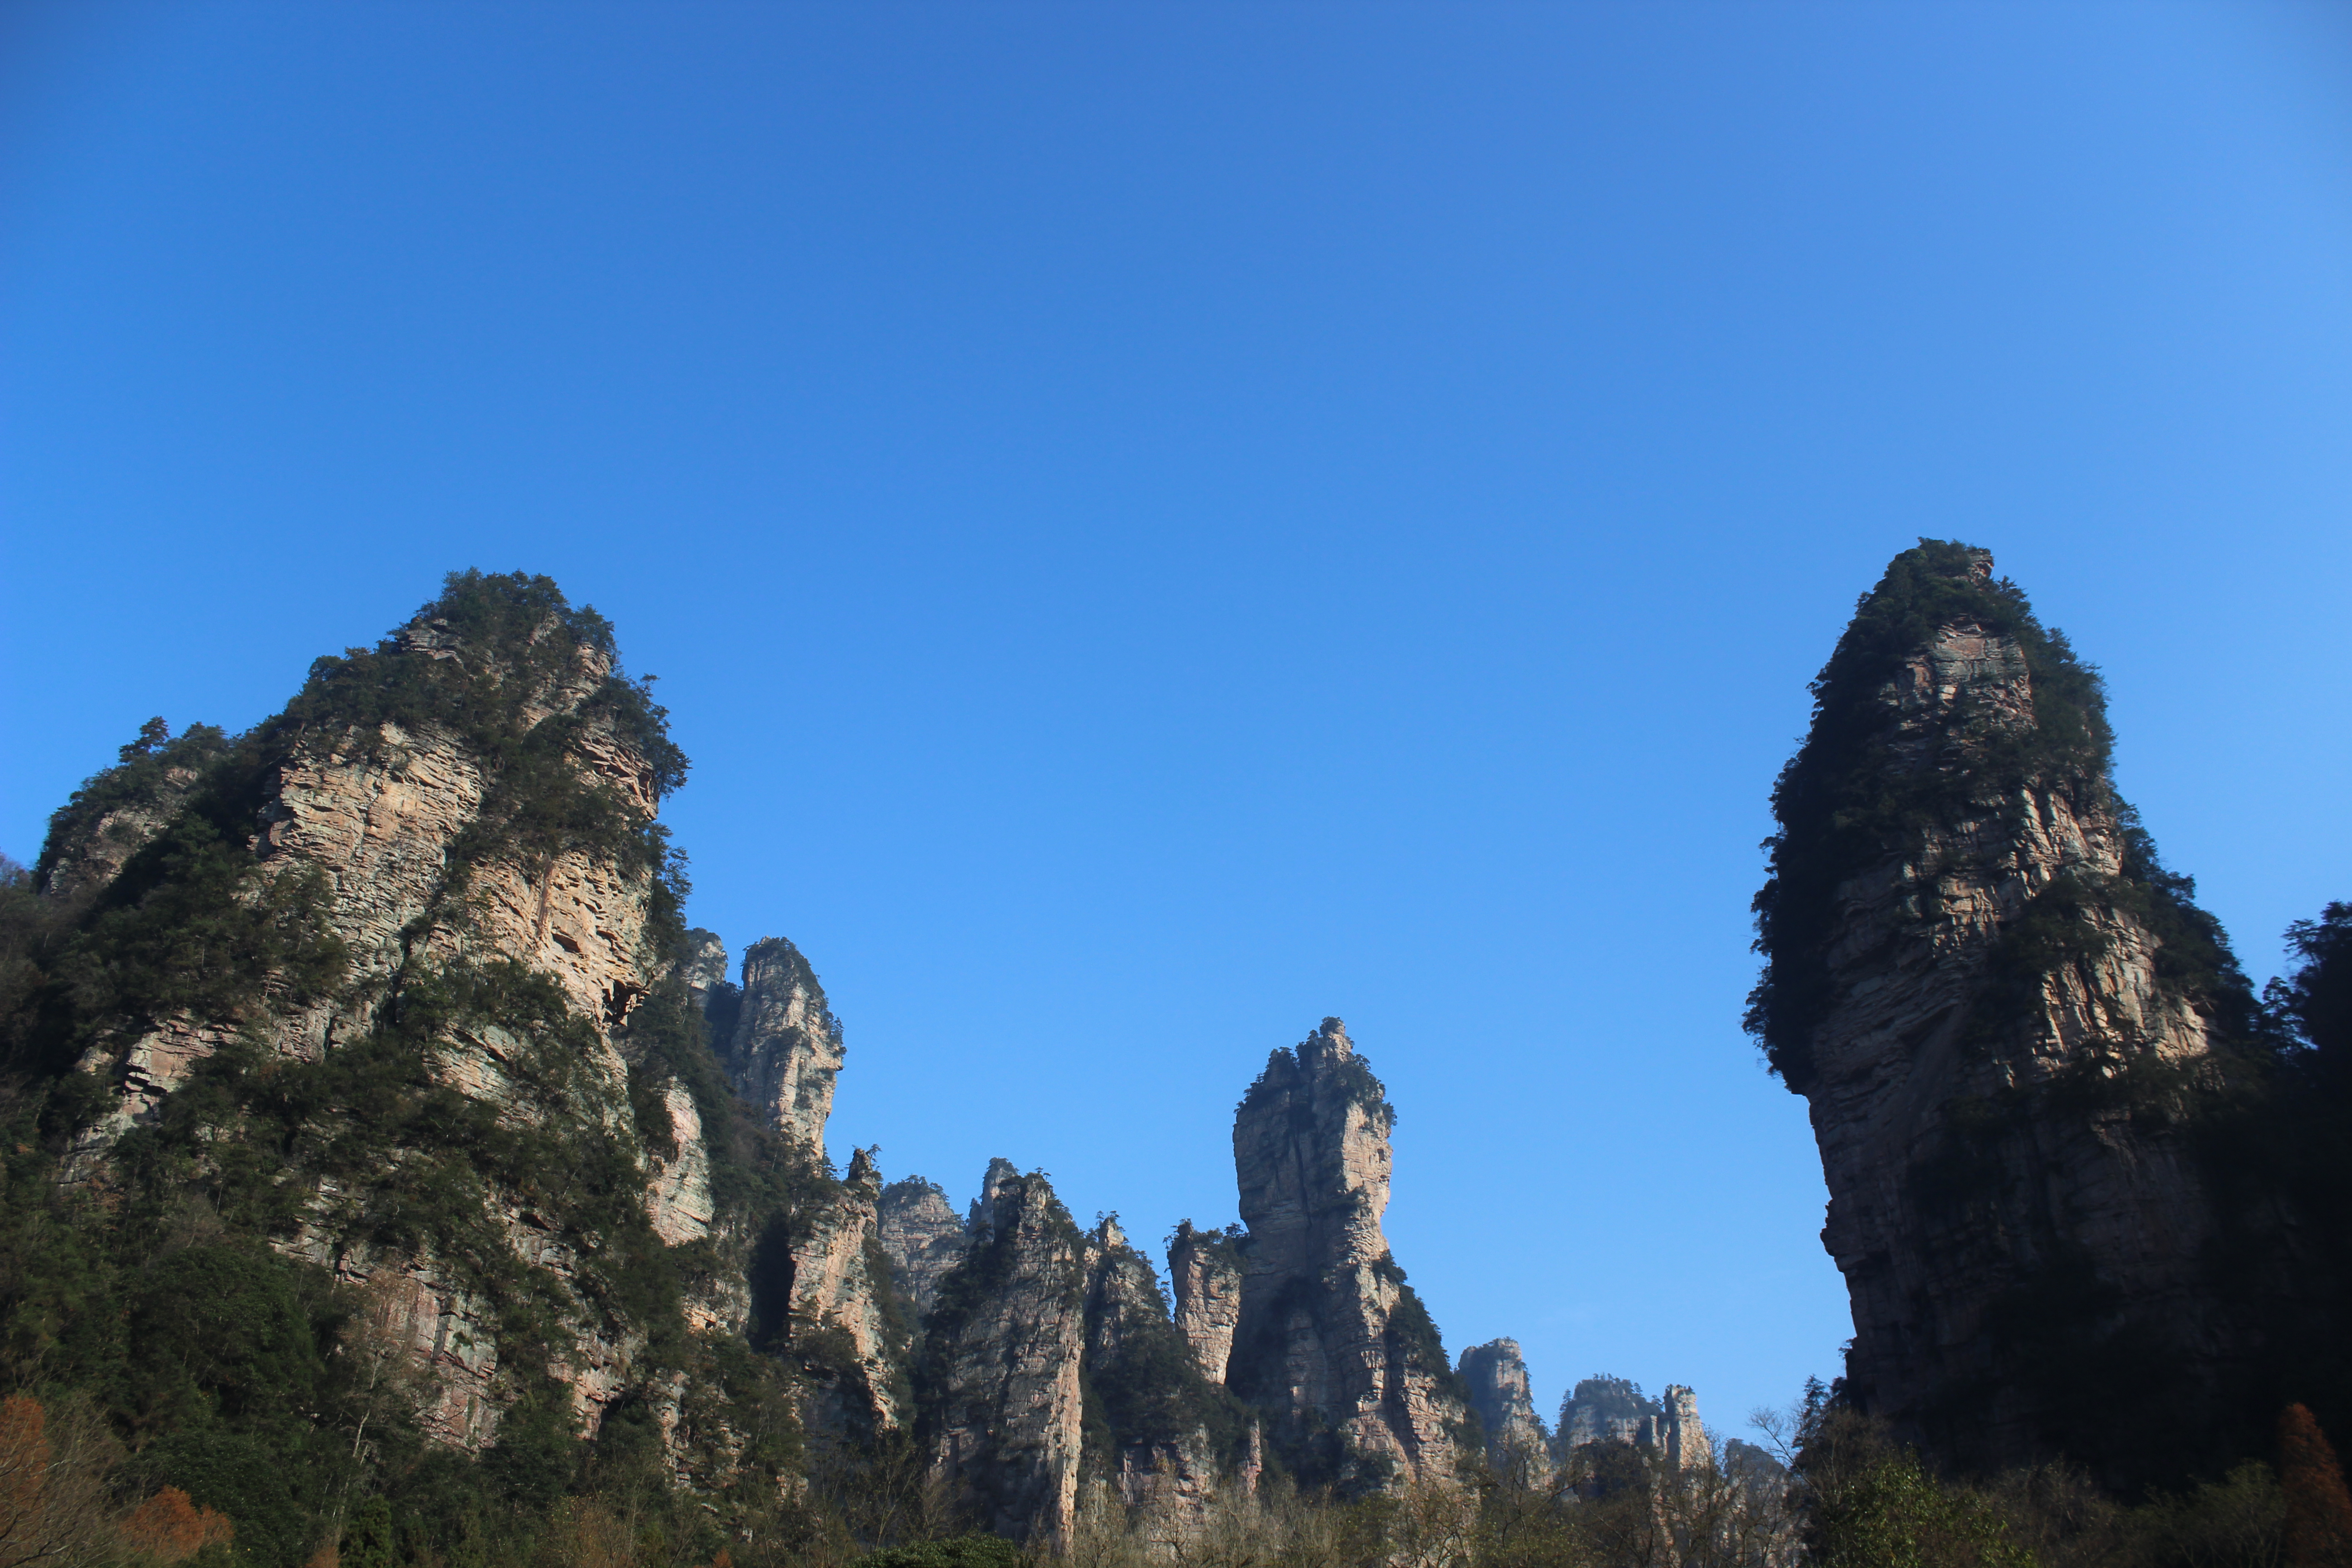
[[1497, 1376], [999, 1374], [785, 1051], [1993, 998], [1330, 1339]]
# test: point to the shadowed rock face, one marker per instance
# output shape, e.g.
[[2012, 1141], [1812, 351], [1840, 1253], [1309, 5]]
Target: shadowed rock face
[[1497, 1380], [923, 1238], [1970, 982], [1329, 1338], [785, 1051], [1154, 1448], [998, 1381]]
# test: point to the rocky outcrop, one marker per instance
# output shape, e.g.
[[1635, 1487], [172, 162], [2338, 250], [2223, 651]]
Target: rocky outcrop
[[1994, 1002], [1603, 1409], [703, 969], [1156, 1447], [840, 1304], [678, 1197], [1204, 1266], [1001, 1412], [784, 1052], [923, 1240], [120, 812], [1330, 1342], [380, 841], [1497, 1376], [1676, 1431]]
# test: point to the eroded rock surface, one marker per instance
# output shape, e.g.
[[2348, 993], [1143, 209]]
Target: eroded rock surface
[[1330, 1340], [1498, 1378], [785, 1051], [1982, 1014], [1157, 1450], [840, 1287], [1204, 1266], [998, 1380], [924, 1239]]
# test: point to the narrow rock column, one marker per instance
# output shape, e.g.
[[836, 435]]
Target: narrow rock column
[[1205, 1269], [1329, 1336], [1002, 1408], [785, 1050], [1499, 1393]]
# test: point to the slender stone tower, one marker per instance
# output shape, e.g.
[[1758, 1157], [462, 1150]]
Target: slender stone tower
[[2000, 1009], [1330, 1339]]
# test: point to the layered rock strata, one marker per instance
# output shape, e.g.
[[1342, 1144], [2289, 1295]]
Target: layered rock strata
[[1497, 1376], [384, 854], [1329, 1340], [841, 1290], [1992, 999]]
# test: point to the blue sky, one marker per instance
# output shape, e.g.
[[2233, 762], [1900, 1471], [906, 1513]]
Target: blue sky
[[1158, 523]]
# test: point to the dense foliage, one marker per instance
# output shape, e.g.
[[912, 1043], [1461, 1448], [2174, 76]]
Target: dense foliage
[[1858, 792], [186, 1302]]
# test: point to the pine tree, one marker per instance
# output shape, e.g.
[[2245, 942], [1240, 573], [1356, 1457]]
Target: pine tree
[[2318, 1508]]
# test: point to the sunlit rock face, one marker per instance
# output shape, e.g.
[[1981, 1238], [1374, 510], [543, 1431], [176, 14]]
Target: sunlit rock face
[[998, 1380], [1987, 993], [1497, 1376], [1330, 1339], [923, 1238], [784, 1052], [389, 843], [1204, 1269]]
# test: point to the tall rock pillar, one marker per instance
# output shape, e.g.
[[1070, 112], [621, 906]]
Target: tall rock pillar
[[1999, 1007], [785, 1051], [1329, 1338], [1498, 1378], [998, 1380]]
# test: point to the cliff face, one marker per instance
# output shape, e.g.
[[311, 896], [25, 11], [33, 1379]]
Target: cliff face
[[1603, 1410], [386, 1010], [844, 1319], [784, 1052], [923, 1239], [998, 1379], [392, 910], [1996, 1005], [1205, 1268], [1677, 1432], [1329, 1340], [1497, 1376]]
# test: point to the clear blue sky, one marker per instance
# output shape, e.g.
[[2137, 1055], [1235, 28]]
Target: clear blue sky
[[1161, 522]]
